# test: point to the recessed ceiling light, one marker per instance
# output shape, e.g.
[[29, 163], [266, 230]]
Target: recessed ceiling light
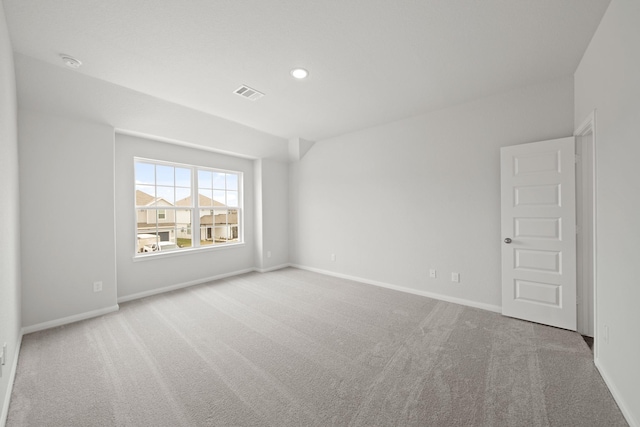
[[299, 73], [70, 61]]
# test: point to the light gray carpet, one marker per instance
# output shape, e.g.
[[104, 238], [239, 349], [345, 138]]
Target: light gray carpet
[[294, 348]]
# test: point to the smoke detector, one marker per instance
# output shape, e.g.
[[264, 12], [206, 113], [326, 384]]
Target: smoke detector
[[70, 61], [249, 93]]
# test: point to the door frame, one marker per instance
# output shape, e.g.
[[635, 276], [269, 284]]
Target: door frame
[[587, 262]]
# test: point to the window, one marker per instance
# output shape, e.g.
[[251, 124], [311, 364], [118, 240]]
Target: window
[[170, 218]]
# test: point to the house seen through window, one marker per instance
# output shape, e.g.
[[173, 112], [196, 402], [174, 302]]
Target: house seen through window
[[183, 206]]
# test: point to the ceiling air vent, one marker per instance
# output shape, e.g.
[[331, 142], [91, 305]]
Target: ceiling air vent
[[247, 92]]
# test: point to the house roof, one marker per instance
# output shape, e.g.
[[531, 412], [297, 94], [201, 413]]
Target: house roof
[[144, 199], [202, 201]]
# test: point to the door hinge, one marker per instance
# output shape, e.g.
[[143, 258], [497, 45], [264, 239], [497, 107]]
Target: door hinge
[[577, 229], [577, 158]]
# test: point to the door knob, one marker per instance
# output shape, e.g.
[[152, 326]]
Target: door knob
[[507, 240]]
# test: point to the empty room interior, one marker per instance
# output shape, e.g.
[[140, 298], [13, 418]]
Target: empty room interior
[[312, 213]]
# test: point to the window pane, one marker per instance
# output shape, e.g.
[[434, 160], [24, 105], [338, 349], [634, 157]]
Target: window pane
[[146, 220], [146, 230], [183, 197], [147, 242], [145, 173], [183, 228], [232, 198], [145, 195], [166, 231], [205, 198], [219, 196], [220, 219], [225, 226], [232, 217], [206, 227], [165, 196], [233, 234], [204, 179], [219, 181], [220, 216], [164, 175], [166, 217], [232, 181], [219, 236], [183, 177]]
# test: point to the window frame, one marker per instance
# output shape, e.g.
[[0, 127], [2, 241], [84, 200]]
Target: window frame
[[195, 210]]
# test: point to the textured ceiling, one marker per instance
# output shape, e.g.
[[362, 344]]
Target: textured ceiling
[[370, 61]]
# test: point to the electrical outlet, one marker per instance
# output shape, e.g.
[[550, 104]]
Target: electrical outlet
[[97, 286], [333, 257], [606, 334], [432, 273], [455, 277], [268, 254]]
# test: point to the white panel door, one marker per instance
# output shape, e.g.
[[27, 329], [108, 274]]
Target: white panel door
[[539, 232]]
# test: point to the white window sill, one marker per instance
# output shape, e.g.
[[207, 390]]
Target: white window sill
[[180, 252]]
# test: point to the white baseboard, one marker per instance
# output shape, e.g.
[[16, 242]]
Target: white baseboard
[[461, 301], [274, 268], [69, 319], [181, 285], [617, 396], [12, 377]]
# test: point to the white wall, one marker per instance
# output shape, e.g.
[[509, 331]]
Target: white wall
[[608, 80], [257, 185], [9, 215], [67, 123], [62, 91], [67, 217], [272, 209], [149, 275], [395, 200]]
